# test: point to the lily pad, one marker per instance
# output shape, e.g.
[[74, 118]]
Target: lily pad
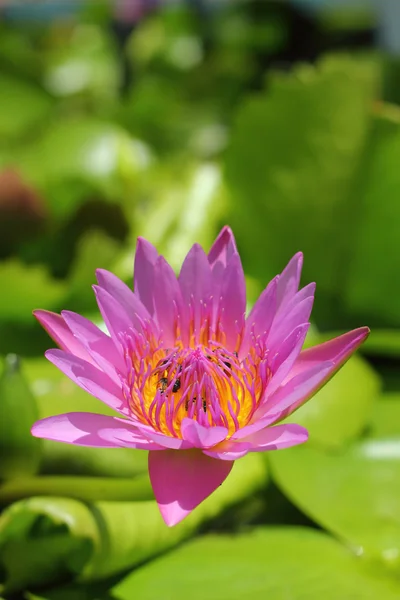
[[276, 563], [353, 493], [46, 541]]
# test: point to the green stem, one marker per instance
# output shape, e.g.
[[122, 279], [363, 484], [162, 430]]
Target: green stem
[[81, 488]]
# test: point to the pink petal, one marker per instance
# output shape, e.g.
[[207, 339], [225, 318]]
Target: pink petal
[[143, 274], [229, 450], [115, 316], [89, 378], [219, 256], [299, 314], [258, 422], [336, 352], [289, 280], [166, 441], [276, 438], [167, 300], [122, 294], [223, 248], [288, 352], [59, 331], [299, 389], [99, 345], [232, 305], [202, 437], [196, 284], [306, 293], [88, 429], [261, 316], [181, 480]]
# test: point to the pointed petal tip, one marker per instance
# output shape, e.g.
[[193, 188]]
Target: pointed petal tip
[[170, 516], [35, 430], [298, 258], [149, 250], [354, 338], [181, 480], [54, 353], [226, 230], [42, 314], [364, 331], [99, 273]]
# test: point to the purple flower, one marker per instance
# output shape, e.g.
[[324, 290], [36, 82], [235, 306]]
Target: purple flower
[[192, 379]]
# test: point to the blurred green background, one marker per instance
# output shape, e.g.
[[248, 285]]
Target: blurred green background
[[169, 120]]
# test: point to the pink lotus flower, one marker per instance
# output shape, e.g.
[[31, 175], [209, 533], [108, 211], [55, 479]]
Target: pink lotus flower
[[194, 381]]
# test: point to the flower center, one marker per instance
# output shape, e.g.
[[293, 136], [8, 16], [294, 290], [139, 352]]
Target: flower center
[[206, 383]]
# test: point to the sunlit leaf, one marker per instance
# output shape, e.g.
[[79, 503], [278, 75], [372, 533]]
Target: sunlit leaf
[[24, 288], [22, 106], [47, 540], [88, 489], [79, 157], [290, 170], [94, 250], [277, 563], [352, 492], [86, 64], [376, 235], [385, 420], [19, 450]]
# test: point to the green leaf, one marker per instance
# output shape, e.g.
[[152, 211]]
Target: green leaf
[[277, 563], [351, 392], [47, 540], [25, 288], [371, 289], [290, 168], [88, 489], [56, 394], [19, 450], [148, 535], [43, 541], [383, 342], [93, 591], [79, 157], [22, 106], [86, 64], [351, 492], [94, 250], [385, 420]]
